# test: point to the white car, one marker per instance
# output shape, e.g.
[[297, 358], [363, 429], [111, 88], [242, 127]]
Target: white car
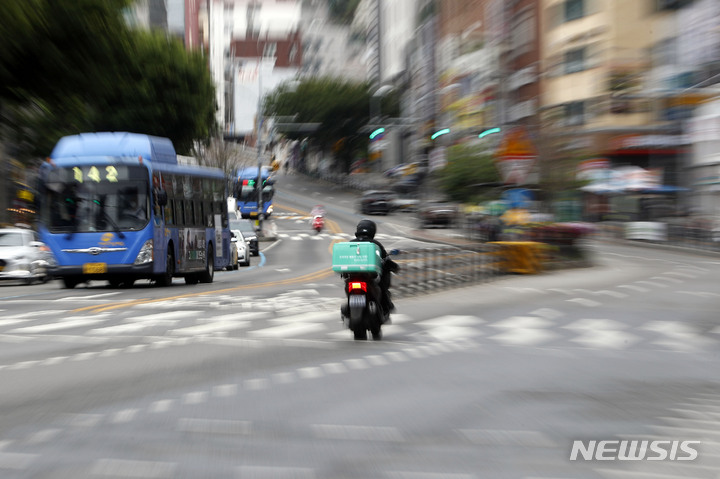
[[242, 246], [23, 257]]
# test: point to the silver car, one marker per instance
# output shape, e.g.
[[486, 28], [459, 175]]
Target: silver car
[[243, 248], [23, 257]]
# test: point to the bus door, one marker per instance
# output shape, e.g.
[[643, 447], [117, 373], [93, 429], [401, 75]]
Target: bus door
[[161, 235]]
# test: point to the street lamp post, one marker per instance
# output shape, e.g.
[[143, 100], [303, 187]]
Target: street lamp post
[[258, 183], [375, 111]]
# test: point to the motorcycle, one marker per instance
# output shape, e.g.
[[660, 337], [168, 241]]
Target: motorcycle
[[362, 312], [318, 223]]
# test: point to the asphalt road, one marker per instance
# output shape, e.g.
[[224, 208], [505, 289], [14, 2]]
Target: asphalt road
[[253, 376]]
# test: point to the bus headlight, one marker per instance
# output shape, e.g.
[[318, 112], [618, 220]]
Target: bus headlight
[[146, 253]]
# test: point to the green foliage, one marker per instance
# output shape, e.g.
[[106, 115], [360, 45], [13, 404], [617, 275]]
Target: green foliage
[[341, 107], [69, 66], [466, 172], [165, 91], [342, 11]]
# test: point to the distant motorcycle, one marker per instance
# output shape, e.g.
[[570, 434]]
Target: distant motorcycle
[[360, 266], [318, 223]]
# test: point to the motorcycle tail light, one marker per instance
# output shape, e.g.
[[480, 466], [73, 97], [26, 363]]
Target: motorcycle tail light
[[357, 286]]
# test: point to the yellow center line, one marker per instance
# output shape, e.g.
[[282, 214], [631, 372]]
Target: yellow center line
[[323, 273], [305, 278]]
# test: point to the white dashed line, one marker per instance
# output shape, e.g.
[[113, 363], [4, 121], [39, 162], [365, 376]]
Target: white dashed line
[[45, 328], [160, 406], [133, 469], [126, 415], [256, 384], [584, 301], [225, 390], [357, 433], [639, 289], [334, 368], [272, 472], [356, 363], [214, 426], [196, 397]]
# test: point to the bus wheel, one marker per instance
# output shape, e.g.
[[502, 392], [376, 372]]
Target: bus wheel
[[70, 282], [209, 273], [166, 278]]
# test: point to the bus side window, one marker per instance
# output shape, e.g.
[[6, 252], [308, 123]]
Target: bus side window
[[208, 214], [180, 212], [187, 213], [199, 213]]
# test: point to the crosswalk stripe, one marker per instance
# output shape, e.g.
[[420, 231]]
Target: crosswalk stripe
[[286, 330], [44, 328], [208, 328]]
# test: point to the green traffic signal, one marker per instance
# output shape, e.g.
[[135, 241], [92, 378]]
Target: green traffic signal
[[377, 132], [488, 132], [440, 133]]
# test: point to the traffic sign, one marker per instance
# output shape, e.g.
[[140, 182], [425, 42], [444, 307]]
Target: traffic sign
[[516, 156]]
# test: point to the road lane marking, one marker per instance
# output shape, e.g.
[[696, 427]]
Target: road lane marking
[[357, 433], [287, 330], [210, 328], [274, 472], [69, 323], [136, 469]]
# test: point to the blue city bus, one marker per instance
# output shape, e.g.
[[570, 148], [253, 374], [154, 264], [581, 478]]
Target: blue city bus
[[117, 206], [245, 191]]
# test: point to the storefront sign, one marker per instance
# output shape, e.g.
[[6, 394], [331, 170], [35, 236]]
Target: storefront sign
[[628, 142], [646, 230]]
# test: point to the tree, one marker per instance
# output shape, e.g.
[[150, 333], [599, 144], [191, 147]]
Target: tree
[[162, 90], [341, 108], [466, 172], [227, 156], [69, 66], [342, 11]]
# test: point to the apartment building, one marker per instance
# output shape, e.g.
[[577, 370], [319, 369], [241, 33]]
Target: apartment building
[[596, 63]]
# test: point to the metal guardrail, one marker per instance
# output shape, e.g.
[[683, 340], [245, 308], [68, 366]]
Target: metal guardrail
[[424, 270], [693, 237]]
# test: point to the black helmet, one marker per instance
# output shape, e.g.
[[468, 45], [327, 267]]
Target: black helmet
[[365, 229]]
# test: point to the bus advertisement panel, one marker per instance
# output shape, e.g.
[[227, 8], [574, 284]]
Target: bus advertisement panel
[[245, 191], [117, 207]]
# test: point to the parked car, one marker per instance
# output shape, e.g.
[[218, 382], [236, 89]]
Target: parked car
[[407, 184], [248, 231], [233, 255], [242, 248], [405, 205], [437, 214], [376, 202], [23, 257]]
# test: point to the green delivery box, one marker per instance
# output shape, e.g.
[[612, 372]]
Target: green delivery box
[[355, 257]]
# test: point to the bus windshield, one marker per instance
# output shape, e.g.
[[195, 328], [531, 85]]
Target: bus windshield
[[96, 198], [248, 192]]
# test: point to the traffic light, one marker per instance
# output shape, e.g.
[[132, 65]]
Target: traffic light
[[444, 131], [377, 132], [488, 132]]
